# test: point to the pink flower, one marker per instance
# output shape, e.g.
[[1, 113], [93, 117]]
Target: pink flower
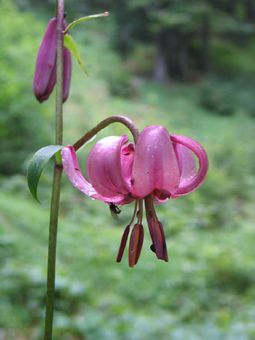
[[160, 166], [45, 68]]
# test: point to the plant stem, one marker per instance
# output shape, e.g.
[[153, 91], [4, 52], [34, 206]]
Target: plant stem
[[103, 124], [59, 84], [55, 198]]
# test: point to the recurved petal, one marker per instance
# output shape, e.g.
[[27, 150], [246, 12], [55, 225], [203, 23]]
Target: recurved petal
[[155, 168], [67, 73], [191, 179], [186, 163], [108, 166], [127, 159], [45, 61], [73, 172]]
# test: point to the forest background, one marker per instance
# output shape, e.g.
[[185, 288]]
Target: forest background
[[188, 65]]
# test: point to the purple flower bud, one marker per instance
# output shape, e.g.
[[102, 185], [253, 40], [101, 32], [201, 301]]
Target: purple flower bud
[[45, 68]]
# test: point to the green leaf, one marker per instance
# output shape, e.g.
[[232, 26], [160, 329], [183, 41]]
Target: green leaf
[[84, 19], [73, 48], [37, 164]]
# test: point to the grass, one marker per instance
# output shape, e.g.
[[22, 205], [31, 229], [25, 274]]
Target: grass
[[208, 281]]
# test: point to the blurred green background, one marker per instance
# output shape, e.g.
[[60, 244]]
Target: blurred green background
[[187, 65]]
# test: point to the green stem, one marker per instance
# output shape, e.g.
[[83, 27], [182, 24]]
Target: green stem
[[55, 198]]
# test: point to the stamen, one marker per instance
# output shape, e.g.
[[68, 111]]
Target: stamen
[[125, 234], [165, 255], [140, 212], [135, 244], [136, 238], [156, 230], [123, 243], [134, 213]]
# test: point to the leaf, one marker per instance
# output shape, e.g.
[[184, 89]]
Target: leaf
[[84, 19], [73, 48], [37, 164]]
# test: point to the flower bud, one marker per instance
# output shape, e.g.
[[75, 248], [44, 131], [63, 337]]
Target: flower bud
[[45, 68]]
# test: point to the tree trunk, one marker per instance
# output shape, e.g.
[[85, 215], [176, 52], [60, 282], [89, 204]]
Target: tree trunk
[[231, 6], [173, 53], [160, 67], [205, 36], [183, 59], [250, 10]]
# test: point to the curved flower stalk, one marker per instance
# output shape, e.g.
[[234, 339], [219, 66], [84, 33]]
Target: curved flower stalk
[[160, 166], [45, 68]]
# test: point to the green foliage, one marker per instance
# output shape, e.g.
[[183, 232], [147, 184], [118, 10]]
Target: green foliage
[[229, 59], [206, 291], [190, 35], [23, 122], [228, 96], [141, 60], [120, 83], [104, 63], [37, 164], [72, 46], [207, 288]]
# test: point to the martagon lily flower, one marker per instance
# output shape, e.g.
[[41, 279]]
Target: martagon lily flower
[[45, 68], [159, 167]]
